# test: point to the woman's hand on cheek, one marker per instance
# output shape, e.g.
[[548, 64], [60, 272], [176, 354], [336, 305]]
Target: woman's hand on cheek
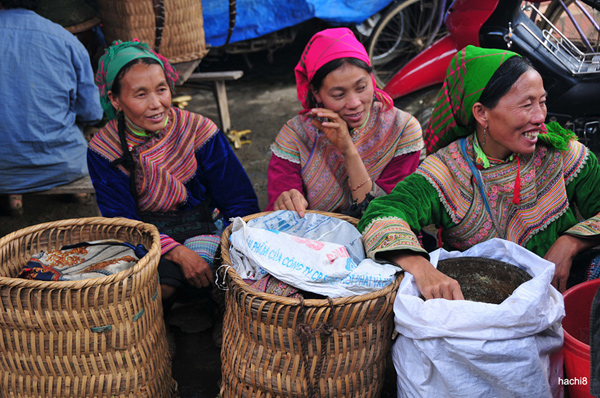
[[334, 128], [291, 200], [195, 269]]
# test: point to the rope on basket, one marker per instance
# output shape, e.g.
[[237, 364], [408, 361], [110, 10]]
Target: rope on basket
[[232, 16], [159, 19], [103, 330], [306, 333]]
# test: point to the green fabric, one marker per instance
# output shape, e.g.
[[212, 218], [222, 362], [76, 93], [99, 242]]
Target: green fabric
[[557, 136], [417, 202], [122, 55], [583, 195], [469, 72], [110, 64], [479, 154]]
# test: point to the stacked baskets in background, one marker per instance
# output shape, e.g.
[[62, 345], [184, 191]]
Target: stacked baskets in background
[[174, 28], [277, 346], [101, 337]]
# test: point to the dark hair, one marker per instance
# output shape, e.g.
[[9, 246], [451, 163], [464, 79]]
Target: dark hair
[[503, 79], [116, 86], [321, 74], [27, 4]]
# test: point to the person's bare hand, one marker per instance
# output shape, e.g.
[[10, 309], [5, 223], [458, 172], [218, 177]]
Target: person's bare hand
[[561, 253], [195, 269], [334, 128], [291, 200], [430, 282]]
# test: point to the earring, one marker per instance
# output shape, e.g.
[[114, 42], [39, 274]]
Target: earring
[[484, 136]]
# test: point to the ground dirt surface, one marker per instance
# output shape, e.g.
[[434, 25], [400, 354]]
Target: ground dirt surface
[[261, 101]]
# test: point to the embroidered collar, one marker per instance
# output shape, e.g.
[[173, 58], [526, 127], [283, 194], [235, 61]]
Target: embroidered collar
[[140, 132], [482, 160]]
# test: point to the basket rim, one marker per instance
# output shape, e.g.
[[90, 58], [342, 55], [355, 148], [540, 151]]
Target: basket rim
[[232, 273], [89, 282]]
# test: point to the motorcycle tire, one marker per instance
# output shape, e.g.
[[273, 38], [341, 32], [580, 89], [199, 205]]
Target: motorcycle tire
[[403, 31]]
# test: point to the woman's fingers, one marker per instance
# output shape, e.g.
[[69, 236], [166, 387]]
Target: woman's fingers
[[449, 289], [291, 200], [434, 284]]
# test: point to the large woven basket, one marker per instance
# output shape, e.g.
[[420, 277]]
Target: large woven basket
[[180, 33], [101, 337], [283, 347]]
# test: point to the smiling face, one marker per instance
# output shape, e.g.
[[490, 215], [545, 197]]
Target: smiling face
[[144, 97], [514, 123], [348, 91]]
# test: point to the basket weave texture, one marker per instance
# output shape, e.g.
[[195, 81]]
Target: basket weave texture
[[183, 26], [100, 337], [277, 346]]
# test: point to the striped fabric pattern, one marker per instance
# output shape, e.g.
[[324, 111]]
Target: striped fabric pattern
[[386, 135], [165, 161], [543, 193], [387, 234], [589, 227], [573, 159]]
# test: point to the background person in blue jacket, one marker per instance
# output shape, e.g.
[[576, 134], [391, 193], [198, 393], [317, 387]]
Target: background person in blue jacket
[[48, 96]]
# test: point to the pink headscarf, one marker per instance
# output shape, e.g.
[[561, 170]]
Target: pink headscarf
[[326, 46]]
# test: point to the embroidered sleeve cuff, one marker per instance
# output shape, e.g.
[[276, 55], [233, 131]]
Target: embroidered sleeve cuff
[[390, 234], [589, 227], [167, 244]]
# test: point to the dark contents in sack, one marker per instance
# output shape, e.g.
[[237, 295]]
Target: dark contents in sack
[[484, 279]]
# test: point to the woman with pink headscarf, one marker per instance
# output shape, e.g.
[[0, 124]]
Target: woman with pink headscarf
[[348, 144]]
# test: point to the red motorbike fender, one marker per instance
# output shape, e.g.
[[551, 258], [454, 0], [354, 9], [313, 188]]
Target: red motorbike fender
[[426, 69]]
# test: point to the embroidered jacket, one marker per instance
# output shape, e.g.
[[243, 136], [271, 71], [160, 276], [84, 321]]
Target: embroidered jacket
[[187, 163], [554, 186], [303, 158]]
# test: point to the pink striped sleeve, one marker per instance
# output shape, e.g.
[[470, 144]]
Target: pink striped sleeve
[[282, 176], [167, 244], [397, 169]]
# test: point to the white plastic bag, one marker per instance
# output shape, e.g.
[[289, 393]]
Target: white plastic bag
[[450, 348], [315, 253]]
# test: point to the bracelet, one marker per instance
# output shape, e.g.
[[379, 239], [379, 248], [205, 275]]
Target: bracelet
[[359, 185]]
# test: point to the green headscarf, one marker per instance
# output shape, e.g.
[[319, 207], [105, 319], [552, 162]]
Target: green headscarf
[[469, 72], [119, 55]]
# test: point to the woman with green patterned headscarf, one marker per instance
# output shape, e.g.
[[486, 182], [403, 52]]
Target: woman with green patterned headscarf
[[499, 172], [164, 165]]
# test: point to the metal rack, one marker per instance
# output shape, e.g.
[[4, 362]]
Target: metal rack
[[560, 47]]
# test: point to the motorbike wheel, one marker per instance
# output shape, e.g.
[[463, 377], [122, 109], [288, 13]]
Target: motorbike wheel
[[420, 104], [404, 30], [558, 16]]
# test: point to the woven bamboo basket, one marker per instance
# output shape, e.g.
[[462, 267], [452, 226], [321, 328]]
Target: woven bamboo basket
[[181, 38], [283, 347], [100, 337]]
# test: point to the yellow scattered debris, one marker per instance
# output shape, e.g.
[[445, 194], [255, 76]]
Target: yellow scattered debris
[[236, 138]]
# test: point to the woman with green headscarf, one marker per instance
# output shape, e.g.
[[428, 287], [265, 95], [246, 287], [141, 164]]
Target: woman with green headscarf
[[163, 165], [499, 172]]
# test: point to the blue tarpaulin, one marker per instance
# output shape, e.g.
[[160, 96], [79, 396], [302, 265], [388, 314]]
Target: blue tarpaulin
[[257, 18]]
